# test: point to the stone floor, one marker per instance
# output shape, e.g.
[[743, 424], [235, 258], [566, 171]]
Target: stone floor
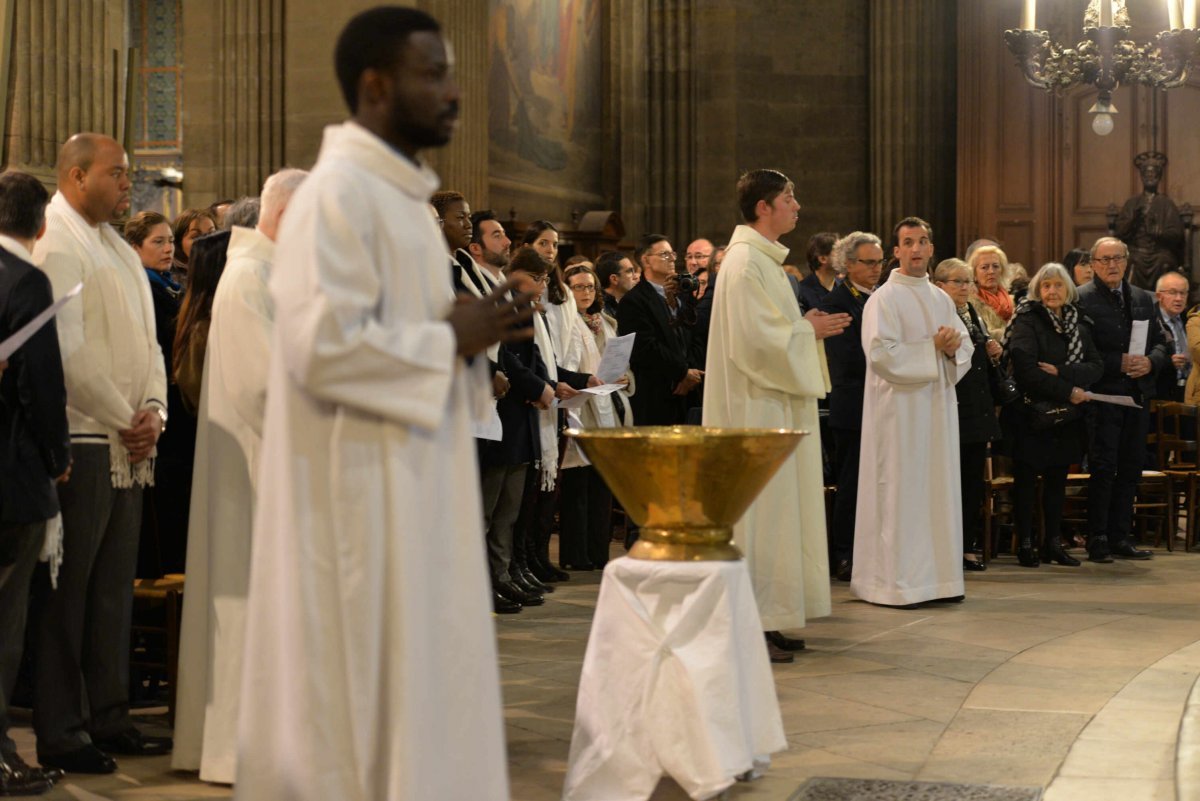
[[1073, 680]]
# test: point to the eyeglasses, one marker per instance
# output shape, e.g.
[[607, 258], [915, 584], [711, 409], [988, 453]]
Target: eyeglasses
[[631, 271], [959, 281], [1179, 293], [1107, 260], [869, 262], [583, 288], [665, 256], [696, 256]]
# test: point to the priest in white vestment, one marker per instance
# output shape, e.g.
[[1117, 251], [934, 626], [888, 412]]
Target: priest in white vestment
[[233, 398], [908, 533], [766, 369], [370, 661]]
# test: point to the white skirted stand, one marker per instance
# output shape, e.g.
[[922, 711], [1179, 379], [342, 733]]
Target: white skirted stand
[[676, 680]]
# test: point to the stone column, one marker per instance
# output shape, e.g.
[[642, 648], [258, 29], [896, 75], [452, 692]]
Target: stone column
[[233, 96], [912, 98], [67, 76]]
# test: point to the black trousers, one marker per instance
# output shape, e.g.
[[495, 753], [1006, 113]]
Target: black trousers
[[972, 458], [22, 544], [81, 673], [1116, 456], [535, 523], [846, 445], [1054, 494], [584, 518]]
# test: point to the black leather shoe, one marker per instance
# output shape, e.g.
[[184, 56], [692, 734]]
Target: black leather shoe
[[777, 655], [779, 640], [973, 565], [518, 579], [503, 606], [951, 599], [132, 742], [844, 570], [1125, 550], [540, 587], [515, 594], [1059, 557], [85, 759], [18, 778], [1098, 551], [547, 573], [1027, 557], [583, 567]]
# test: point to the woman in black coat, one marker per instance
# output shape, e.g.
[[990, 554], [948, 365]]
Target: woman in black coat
[[977, 425], [1053, 359]]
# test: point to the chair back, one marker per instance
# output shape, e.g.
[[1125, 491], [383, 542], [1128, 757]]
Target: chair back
[[1175, 436]]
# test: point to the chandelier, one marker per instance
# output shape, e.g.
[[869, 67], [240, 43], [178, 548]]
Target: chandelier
[[1106, 58]]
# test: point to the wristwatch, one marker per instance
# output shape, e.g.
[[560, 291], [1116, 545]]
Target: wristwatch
[[162, 415]]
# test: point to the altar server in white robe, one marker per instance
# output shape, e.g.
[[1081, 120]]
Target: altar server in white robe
[[233, 398], [370, 664], [908, 533], [766, 369]]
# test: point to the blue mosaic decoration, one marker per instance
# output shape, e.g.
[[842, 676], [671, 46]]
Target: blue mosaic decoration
[[156, 27]]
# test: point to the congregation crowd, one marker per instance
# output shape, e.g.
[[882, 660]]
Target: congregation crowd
[[133, 423]]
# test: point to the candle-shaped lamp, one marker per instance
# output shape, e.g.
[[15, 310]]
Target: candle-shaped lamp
[[1174, 14], [1106, 13], [1189, 14], [1029, 16]]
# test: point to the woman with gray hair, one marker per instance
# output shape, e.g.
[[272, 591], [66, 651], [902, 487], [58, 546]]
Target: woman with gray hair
[[1053, 361]]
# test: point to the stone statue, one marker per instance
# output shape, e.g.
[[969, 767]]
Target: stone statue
[[1151, 226]]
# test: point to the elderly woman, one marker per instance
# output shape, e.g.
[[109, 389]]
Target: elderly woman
[[585, 510], [1054, 361], [977, 425], [991, 301]]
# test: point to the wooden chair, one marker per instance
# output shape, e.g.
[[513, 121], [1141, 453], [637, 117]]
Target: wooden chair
[[1175, 442], [1153, 506], [158, 600], [997, 503]]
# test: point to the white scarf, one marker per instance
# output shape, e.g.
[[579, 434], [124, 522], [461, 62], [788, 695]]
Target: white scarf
[[108, 311], [547, 418]]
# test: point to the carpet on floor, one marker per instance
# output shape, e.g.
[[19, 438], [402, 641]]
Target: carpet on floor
[[828, 789]]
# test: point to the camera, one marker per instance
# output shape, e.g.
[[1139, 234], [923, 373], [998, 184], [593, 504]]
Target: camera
[[688, 285]]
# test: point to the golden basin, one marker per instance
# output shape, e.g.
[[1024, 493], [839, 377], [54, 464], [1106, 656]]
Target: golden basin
[[686, 486]]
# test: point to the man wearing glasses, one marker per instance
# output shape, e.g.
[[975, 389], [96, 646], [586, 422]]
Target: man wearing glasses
[[1171, 289], [662, 317], [698, 256], [1117, 434]]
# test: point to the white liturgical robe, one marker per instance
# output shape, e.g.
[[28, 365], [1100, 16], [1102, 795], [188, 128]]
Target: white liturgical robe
[[908, 533], [766, 369], [371, 670], [228, 437]]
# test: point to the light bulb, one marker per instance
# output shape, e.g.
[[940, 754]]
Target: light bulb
[[1102, 124]]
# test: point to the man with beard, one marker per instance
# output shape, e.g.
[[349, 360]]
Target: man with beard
[[371, 668], [504, 464]]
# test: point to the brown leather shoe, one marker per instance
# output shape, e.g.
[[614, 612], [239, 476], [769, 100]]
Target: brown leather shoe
[[777, 655], [779, 640]]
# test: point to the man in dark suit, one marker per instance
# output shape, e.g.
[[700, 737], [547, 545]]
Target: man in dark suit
[[662, 317], [1117, 434], [860, 254], [35, 447], [1171, 291]]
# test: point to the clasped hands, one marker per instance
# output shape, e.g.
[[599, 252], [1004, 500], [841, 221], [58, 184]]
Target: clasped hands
[[947, 340], [1135, 366], [142, 435]]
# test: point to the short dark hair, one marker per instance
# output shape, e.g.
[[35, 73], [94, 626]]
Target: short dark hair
[[1076, 256], [910, 222], [375, 39], [442, 200], [645, 243], [756, 185], [608, 265], [527, 260], [482, 216], [820, 245], [23, 202], [598, 298], [141, 224]]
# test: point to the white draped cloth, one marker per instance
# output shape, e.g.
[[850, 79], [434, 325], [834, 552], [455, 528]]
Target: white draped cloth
[[766, 369], [370, 661], [908, 532], [233, 398], [675, 680]]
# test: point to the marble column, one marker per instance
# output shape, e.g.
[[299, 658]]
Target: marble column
[[67, 74], [233, 81], [913, 123]]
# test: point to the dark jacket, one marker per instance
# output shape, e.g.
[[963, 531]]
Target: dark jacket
[[698, 341], [35, 447], [847, 362], [976, 407], [1032, 339], [810, 292], [1167, 386], [527, 376], [660, 355], [1111, 327]]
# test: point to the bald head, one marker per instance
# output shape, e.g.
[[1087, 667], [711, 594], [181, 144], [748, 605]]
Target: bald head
[[93, 176]]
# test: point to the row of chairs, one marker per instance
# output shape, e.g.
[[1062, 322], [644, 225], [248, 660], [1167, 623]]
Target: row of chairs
[[1163, 494]]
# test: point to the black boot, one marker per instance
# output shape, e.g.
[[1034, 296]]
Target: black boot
[[1053, 552], [1026, 555]]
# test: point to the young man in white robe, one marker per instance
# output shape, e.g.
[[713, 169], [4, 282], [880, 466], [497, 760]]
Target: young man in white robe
[[766, 369], [370, 664], [908, 532], [233, 398]]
